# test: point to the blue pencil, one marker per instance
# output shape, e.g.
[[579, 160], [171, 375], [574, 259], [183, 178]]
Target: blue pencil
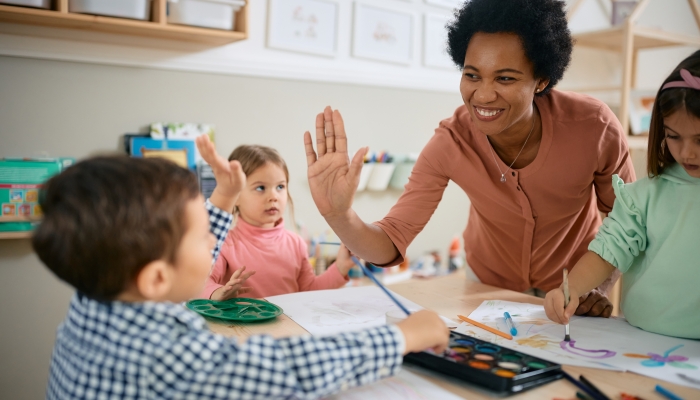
[[509, 322], [666, 393], [370, 275], [581, 386]]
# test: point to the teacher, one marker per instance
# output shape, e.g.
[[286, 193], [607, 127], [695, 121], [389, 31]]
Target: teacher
[[536, 163]]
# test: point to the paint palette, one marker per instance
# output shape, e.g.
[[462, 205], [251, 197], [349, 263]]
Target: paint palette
[[237, 309], [488, 365]]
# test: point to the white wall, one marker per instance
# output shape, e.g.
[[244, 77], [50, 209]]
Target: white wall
[[73, 94]]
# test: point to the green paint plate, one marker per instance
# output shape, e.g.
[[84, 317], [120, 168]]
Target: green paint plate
[[238, 309]]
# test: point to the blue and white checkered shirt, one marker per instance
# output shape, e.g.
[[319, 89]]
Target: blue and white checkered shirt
[[118, 350]]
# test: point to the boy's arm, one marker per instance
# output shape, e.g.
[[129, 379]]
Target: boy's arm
[[230, 178], [219, 224], [204, 365]]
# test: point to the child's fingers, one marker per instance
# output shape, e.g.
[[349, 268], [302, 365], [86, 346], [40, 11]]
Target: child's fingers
[[244, 289]]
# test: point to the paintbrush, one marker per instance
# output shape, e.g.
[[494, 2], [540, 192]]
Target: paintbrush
[[567, 337], [371, 276]]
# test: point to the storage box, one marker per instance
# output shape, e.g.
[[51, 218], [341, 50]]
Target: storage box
[[133, 9], [20, 180], [218, 14], [28, 3]]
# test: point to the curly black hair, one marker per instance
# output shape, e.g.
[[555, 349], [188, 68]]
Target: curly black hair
[[540, 24]]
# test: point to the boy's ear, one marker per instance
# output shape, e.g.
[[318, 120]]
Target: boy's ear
[[155, 280]]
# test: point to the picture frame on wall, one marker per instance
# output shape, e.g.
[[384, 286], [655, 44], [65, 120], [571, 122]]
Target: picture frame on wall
[[435, 42], [621, 9], [382, 34], [451, 4], [304, 26]]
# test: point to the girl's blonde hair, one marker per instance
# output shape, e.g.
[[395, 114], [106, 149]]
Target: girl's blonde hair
[[252, 157]]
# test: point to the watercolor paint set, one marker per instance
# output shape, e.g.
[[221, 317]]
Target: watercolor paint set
[[487, 365]]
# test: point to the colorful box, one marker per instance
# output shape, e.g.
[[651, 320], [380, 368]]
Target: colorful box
[[20, 181]]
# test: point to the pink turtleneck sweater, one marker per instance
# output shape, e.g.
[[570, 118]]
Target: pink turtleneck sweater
[[278, 257]]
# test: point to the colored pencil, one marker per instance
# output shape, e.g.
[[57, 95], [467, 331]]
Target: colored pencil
[[581, 386], [331, 243], [566, 302], [593, 387], [666, 393], [486, 327], [371, 276], [581, 396]]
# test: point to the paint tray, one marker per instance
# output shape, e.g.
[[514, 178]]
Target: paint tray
[[238, 309], [487, 365]]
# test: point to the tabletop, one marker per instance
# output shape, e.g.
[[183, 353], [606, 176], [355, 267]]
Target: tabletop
[[454, 294]]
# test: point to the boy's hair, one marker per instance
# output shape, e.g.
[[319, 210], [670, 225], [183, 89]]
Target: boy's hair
[[540, 24], [667, 102], [107, 217], [252, 157]]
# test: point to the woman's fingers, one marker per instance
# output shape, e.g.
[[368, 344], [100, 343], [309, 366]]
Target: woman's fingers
[[328, 122], [320, 135], [309, 148], [341, 140]]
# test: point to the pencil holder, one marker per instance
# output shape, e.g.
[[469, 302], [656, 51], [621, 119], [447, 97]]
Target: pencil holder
[[380, 177], [364, 176], [401, 174]]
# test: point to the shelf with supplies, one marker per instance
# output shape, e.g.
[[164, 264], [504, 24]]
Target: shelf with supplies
[[155, 24], [628, 38], [17, 234]]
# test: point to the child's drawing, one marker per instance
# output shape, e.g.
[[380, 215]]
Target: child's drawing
[[382, 34], [657, 360], [308, 26], [606, 343], [570, 346], [405, 385]]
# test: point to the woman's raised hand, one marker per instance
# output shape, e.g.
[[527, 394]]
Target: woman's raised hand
[[333, 178]]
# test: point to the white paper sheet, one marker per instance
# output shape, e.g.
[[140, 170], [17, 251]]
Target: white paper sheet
[[608, 343], [404, 385], [327, 312]]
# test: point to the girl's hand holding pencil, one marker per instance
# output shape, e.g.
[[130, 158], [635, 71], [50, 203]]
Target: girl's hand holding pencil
[[554, 305]]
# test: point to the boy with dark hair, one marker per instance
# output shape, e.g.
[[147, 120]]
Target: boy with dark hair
[[132, 237]]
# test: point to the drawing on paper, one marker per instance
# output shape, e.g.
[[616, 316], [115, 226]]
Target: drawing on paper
[[570, 346], [307, 26], [657, 360], [382, 34]]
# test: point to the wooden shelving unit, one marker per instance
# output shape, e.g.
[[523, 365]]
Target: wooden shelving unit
[[19, 234], [157, 27], [628, 39]]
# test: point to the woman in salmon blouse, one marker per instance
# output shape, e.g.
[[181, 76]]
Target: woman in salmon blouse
[[536, 163]]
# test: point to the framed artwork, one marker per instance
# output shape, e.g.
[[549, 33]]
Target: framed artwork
[[451, 4], [641, 105], [305, 26], [382, 34], [621, 10], [435, 42]]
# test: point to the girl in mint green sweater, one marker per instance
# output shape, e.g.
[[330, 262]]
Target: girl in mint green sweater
[[652, 235]]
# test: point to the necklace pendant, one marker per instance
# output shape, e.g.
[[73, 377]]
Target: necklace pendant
[[503, 178]]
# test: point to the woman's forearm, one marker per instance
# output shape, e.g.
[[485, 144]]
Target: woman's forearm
[[588, 273], [366, 241]]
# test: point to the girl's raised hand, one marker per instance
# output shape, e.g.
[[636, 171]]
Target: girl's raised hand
[[234, 286], [333, 178], [229, 175]]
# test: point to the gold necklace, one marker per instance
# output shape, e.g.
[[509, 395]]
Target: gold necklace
[[503, 174]]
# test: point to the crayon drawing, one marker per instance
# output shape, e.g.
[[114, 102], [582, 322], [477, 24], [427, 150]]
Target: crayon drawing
[[605, 343]]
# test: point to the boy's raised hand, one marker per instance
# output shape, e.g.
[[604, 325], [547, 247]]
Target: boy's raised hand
[[554, 306], [229, 175], [333, 178], [234, 286], [424, 330]]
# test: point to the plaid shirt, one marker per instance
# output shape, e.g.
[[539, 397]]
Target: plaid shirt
[[149, 350]]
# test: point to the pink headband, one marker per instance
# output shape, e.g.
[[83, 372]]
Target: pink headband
[[689, 81]]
